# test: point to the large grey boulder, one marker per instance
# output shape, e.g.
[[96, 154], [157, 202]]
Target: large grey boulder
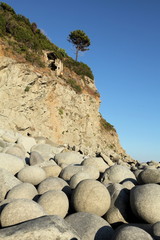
[[23, 190], [131, 233], [7, 182], [53, 183], [46, 227], [145, 202], [32, 174], [46, 150], [150, 176], [98, 162], [9, 136], [35, 158], [54, 203], [69, 171], [16, 150], [52, 170], [90, 226], [77, 178], [91, 196], [11, 163], [50, 167], [156, 231], [117, 174], [68, 158], [27, 142], [20, 210], [119, 210]]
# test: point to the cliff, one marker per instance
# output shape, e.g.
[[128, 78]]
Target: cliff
[[35, 101], [43, 92]]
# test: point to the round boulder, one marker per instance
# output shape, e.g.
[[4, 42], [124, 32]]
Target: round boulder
[[119, 210], [131, 233], [35, 158], [53, 183], [11, 163], [150, 176], [90, 226], [77, 178], [46, 227], [156, 231], [91, 196], [96, 162], [20, 210], [32, 174], [23, 190], [16, 150], [145, 202], [117, 174], [54, 203], [68, 158], [69, 171]]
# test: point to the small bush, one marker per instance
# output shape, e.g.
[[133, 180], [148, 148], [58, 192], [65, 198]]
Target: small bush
[[106, 125], [77, 88], [78, 67], [6, 7], [27, 89]]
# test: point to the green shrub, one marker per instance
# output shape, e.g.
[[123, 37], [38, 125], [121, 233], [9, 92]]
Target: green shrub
[[80, 68], [77, 88], [2, 25], [34, 59], [27, 89], [6, 7], [106, 125]]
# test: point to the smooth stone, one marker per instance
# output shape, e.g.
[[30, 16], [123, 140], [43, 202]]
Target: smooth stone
[[131, 233], [52, 170], [20, 210], [23, 190], [11, 163], [68, 158], [46, 150], [119, 210], [96, 162], [7, 182], [69, 171], [77, 178], [46, 227], [90, 226], [117, 174], [54, 203], [32, 174], [91, 196], [35, 158], [145, 202], [150, 176], [3, 144], [92, 171], [128, 184], [53, 183], [156, 230], [16, 150], [10, 136], [27, 142], [107, 159]]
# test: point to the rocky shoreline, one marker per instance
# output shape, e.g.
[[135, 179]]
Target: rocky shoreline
[[50, 191]]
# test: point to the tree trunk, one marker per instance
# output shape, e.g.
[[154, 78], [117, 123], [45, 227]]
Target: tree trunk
[[77, 54]]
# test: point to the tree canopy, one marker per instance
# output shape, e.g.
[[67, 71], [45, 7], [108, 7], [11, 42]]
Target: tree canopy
[[80, 40]]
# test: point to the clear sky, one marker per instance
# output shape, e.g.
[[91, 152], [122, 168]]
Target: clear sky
[[124, 56]]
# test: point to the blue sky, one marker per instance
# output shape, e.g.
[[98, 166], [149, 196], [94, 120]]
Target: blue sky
[[124, 56]]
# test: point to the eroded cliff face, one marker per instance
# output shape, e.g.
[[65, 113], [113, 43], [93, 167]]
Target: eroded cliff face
[[35, 101]]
